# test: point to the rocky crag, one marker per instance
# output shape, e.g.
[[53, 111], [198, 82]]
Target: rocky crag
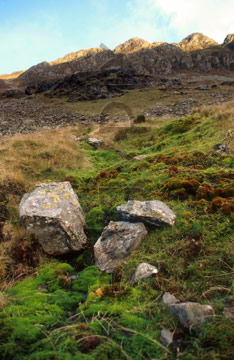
[[194, 53]]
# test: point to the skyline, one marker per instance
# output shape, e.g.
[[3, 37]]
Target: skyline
[[46, 30]]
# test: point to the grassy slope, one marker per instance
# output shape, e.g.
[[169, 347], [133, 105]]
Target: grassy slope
[[99, 316]]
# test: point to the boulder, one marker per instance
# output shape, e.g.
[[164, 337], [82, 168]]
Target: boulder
[[169, 299], [94, 142], [52, 212], [192, 314], [117, 241], [143, 271], [154, 213]]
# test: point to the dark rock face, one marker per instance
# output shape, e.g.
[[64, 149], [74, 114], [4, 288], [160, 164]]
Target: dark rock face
[[53, 213], [153, 213], [192, 314], [117, 241], [228, 39], [96, 85]]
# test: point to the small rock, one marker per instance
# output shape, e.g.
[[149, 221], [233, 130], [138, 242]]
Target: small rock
[[166, 337], [202, 87], [117, 241], [153, 212], [143, 271], [192, 314], [94, 142], [52, 212], [75, 138], [220, 148], [73, 277], [169, 299], [228, 311], [139, 157]]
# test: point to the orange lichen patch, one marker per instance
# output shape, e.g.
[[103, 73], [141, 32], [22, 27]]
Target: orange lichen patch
[[225, 205]]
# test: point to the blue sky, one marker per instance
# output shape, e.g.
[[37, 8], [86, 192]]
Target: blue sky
[[35, 31]]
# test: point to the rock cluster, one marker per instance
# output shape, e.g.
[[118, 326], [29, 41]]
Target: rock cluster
[[119, 238], [25, 115]]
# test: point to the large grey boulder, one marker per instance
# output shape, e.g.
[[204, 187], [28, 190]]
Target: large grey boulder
[[153, 212], [192, 314], [52, 212], [117, 241], [143, 271]]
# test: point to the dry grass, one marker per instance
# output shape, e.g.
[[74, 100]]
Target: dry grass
[[3, 300], [24, 157]]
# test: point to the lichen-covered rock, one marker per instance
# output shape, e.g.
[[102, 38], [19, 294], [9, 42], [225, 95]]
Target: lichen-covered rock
[[154, 213], [192, 314], [169, 299], [53, 213], [143, 271], [117, 241]]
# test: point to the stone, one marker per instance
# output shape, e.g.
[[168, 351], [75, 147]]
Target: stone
[[139, 157], [154, 212], [116, 242], [202, 87], [192, 314], [94, 142], [52, 212], [220, 148], [228, 311], [143, 271], [169, 299], [166, 337]]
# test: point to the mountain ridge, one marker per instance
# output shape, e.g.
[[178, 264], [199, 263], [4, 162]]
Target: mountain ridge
[[195, 52]]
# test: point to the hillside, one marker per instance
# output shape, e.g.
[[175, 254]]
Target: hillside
[[65, 307]]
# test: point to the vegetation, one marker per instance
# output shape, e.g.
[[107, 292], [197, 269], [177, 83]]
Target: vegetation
[[46, 315], [140, 118]]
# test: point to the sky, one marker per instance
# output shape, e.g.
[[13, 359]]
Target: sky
[[44, 30]]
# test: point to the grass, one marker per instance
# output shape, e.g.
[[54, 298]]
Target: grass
[[45, 315]]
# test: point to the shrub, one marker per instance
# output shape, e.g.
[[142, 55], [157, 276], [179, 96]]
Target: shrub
[[139, 119]]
